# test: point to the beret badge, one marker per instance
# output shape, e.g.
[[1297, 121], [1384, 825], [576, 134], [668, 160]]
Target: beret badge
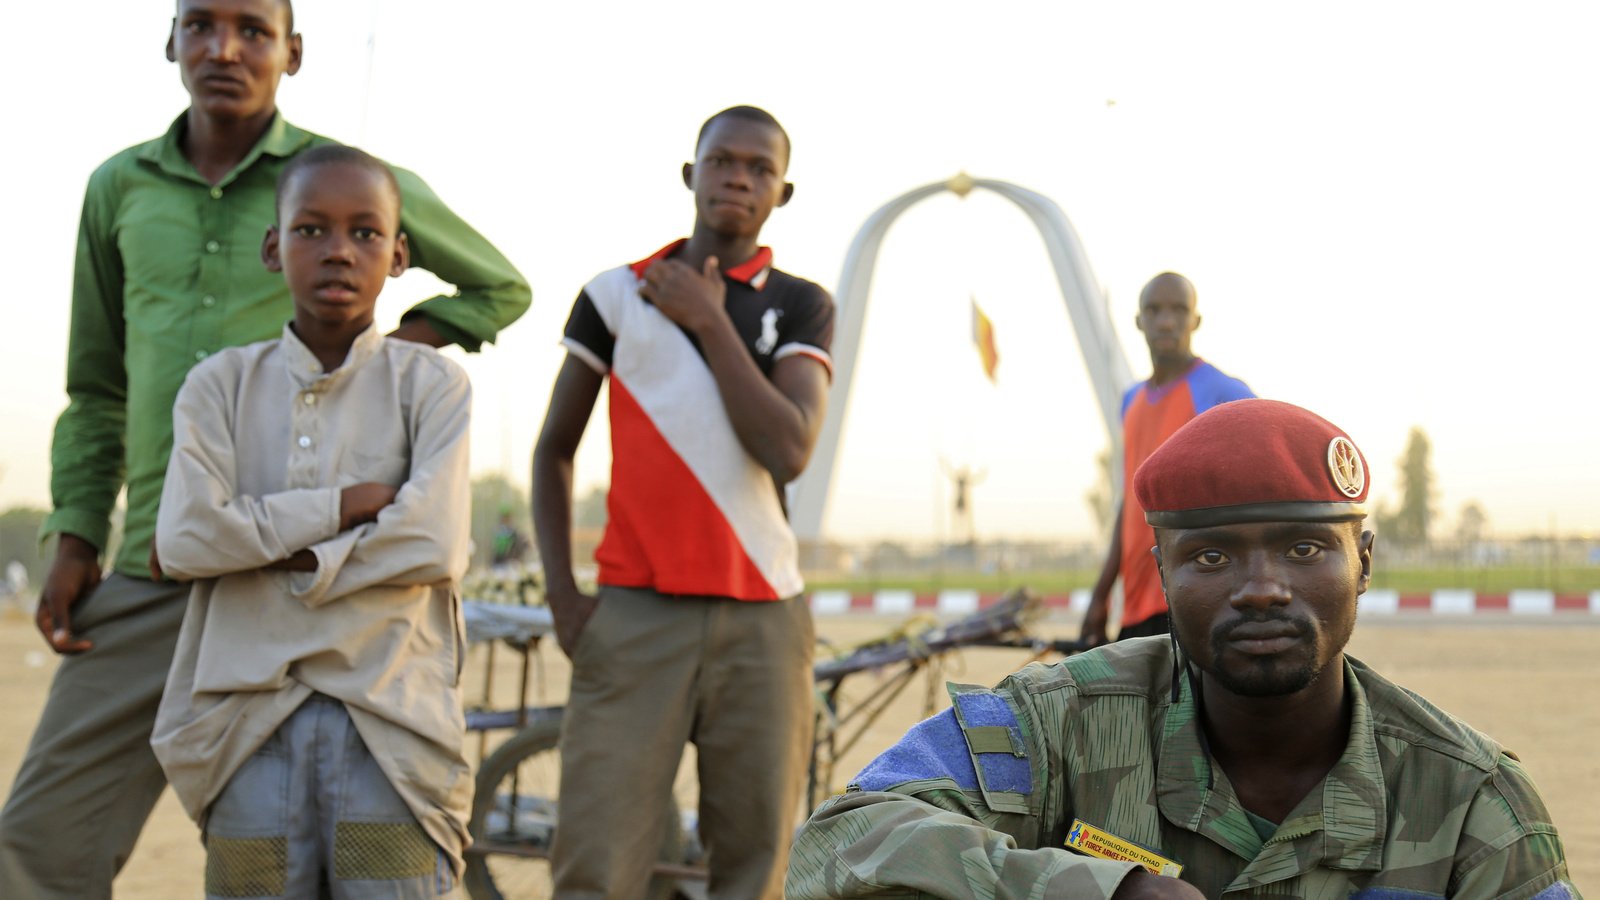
[[1344, 464]]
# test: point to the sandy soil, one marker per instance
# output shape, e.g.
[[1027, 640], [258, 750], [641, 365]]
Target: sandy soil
[[1535, 687]]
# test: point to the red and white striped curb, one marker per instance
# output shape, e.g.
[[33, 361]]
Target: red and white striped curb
[[1442, 602]]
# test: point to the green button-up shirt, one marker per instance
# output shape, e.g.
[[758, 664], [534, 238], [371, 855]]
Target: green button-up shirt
[[169, 271], [1419, 805]]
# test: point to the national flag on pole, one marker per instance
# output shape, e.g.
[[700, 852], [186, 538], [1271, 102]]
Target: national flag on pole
[[983, 336]]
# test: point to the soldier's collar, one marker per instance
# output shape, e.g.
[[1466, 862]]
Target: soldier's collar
[[1343, 823]]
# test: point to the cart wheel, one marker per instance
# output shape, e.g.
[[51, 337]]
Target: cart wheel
[[514, 815]]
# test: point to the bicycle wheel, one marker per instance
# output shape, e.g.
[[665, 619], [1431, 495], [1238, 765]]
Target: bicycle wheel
[[514, 815]]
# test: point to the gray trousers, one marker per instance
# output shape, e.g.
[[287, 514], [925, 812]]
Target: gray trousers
[[310, 814], [89, 779], [651, 672]]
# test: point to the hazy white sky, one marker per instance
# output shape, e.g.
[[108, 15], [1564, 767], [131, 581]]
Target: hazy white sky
[[1389, 210]]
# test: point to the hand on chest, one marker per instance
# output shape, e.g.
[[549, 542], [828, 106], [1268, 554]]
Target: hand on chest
[[759, 321]]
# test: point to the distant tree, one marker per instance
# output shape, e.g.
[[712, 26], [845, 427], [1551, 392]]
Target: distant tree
[[1099, 495], [492, 496], [1471, 524], [1409, 523]]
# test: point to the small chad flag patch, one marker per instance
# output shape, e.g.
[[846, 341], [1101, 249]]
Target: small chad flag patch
[[1092, 841]]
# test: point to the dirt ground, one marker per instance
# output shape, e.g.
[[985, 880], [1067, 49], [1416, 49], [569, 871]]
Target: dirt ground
[[1535, 687]]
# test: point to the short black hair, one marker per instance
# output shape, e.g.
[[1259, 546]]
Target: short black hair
[[749, 114], [333, 155], [288, 8]]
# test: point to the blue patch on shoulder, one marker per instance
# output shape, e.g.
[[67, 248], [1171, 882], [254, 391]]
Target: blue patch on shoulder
[[1001, 771], [1558, 891], [933, 748]]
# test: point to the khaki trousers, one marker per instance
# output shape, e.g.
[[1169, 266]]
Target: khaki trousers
[[650, 673], [89, 779]]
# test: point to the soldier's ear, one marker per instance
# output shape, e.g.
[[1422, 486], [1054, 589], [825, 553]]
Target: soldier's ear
[[1367, 541], [1161, 570]]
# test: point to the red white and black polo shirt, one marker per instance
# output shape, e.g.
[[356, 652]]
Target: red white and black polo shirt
[[689, 510]]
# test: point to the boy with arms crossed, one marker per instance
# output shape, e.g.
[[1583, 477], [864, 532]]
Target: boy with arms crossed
[[719, 368], [318, 496]]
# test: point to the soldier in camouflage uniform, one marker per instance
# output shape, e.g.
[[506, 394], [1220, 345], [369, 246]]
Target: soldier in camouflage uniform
[[1248, 755]]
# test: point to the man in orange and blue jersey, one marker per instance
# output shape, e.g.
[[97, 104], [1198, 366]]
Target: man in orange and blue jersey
[[1181, 386]]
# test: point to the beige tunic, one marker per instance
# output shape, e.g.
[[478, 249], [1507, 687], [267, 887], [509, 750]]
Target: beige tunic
[[263, 443]]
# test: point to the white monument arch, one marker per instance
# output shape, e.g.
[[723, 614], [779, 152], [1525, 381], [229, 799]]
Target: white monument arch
[[1086, 305]]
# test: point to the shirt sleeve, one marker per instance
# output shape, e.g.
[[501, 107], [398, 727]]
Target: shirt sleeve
[[808, 329], [917, 821], [424, 535], [490, 292], [1127, 398], [1211, 388], [1510, 847], [205, 529], [587, 337], [86, 455], [867, 844]]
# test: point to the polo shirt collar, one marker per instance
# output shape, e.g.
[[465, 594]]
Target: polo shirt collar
[[1342, 823], [305, 370], [753, 271], [281, 140]]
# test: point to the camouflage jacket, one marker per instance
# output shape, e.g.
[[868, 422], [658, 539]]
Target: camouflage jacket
[[977, 801]]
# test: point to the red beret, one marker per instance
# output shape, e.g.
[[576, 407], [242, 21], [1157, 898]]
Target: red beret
[[1253, 461]]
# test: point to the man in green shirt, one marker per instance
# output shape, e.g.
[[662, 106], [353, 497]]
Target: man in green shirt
[[168, 271], [1244, 756]]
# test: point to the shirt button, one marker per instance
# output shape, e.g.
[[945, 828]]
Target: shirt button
[[311, 399], [208, 301], [212, 246], [304, 441], [199, 355], [216, 193]]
